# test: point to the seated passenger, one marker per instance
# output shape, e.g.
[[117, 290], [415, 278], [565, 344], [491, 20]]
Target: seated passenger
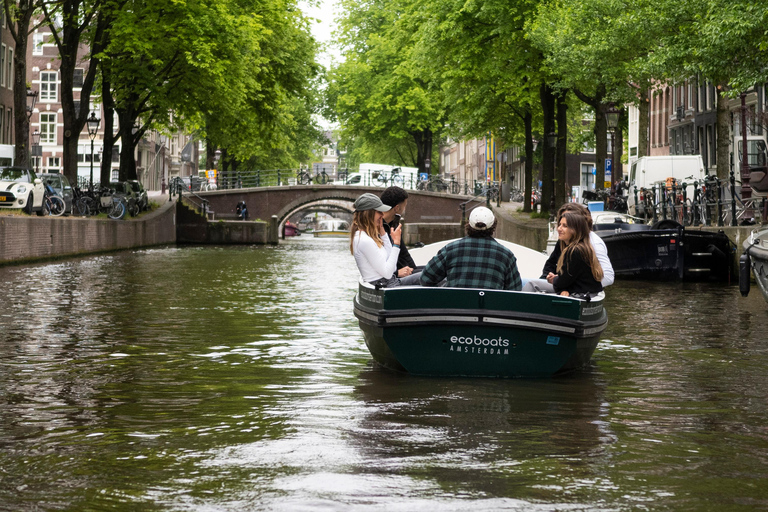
[[578, 271], [375, 256], [475, 261], [601, 251]]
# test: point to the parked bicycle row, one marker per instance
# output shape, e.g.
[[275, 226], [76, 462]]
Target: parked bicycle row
[[709, 202]]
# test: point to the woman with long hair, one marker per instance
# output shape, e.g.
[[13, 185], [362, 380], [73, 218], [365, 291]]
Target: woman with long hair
[[578, 271], [375, 256]]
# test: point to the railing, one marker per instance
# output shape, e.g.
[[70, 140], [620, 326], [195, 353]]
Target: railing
[[710, 202], [178, 187], [372, 178]]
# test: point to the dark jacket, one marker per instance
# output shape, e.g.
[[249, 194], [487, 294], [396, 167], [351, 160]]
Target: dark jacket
[[576, 276], [404, 259]]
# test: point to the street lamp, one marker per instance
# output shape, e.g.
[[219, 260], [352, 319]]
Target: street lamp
[[612, 120], [36, 149], [31, 101], [552, 141], [93, 127]]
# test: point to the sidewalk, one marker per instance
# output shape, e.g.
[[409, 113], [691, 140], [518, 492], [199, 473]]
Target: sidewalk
[[157, 196]]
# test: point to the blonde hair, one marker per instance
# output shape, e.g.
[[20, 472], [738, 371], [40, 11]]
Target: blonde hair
[[580, 242], [364, 221]]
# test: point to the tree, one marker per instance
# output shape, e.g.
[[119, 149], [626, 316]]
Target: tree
[[20, 14], [379, 93]]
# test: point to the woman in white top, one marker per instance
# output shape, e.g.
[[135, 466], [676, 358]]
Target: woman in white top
[[375, 256]]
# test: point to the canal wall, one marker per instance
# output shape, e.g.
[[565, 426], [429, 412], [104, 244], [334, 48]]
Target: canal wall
[[27, 239], [193, 228]]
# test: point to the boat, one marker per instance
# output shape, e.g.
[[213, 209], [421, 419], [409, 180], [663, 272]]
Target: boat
[[290, 229], [332, 228], [755, 261], [465, 332], [665, 250]]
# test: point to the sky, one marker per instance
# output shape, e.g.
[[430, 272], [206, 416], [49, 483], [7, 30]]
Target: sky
[[325, 12]]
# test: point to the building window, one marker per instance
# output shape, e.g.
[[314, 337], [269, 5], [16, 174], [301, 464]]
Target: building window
[[47, 128], [9, 74], [37, 43], [78, 78], [690, 93], [115, 175], [3, 51], [587, 176], [53, 164], [49, 86]]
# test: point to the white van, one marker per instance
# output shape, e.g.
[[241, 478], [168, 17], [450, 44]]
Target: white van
[[648, 171]]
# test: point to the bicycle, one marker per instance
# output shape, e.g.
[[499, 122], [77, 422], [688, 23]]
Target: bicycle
[[304, 178], [381, 179], [53, 204], [112, 205]]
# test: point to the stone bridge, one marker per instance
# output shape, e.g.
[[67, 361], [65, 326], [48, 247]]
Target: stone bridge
[[264, 202]]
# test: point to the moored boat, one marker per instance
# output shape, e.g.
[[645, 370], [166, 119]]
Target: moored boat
[[755, 259], [290, 229], [479, 333], [332, 228], [666, 250]]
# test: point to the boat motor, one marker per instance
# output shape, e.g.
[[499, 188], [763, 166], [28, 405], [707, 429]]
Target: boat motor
[[744, 274]]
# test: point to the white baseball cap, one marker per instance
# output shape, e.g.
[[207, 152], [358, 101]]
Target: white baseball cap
[[481, 219]]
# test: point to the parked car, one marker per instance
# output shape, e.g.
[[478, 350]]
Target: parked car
[[21, 188], [124, 191], [138, 188], [61, 185]]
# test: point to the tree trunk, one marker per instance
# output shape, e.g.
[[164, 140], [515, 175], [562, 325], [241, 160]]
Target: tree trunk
[[127, 169], [723, 134], [528, 122], [423, 140], [562, 149], [618, 145], [108, 112], [548, 159], [643, 137], [601, 146], [21, 119]]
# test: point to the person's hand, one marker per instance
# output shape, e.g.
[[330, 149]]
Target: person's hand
[[396, 234], [551, 277], [405, 271]]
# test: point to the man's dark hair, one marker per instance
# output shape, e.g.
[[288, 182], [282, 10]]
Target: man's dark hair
[[480, 233], [393, 196]]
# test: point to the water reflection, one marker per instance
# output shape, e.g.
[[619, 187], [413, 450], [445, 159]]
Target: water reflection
[[211, 378]]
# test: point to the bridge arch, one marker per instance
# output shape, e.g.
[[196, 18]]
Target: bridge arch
[[264, 202]]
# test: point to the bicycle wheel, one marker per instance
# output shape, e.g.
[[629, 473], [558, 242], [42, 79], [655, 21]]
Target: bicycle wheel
[[322, 178], [397, 180], [57, 206], [304, 178], [118, 210], [80, 208], [688, 213]]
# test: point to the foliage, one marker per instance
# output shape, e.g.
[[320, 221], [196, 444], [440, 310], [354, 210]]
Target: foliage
[[379, 93]]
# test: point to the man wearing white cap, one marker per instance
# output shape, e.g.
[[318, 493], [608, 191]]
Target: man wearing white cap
[[475, 261]]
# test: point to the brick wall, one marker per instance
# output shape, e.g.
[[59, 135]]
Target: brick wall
[[26, 239]]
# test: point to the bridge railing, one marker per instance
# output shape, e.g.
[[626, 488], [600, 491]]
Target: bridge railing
[[371, 178]]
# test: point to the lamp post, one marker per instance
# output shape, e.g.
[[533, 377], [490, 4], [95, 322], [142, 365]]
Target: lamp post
[[552, 141], [93, 126], [612, 120], [36, 148], [31, 101]]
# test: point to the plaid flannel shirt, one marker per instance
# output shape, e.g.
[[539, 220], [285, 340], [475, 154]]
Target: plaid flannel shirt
[[474, 263]]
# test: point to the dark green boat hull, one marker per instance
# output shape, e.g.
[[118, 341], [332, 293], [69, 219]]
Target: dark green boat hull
[[478, 333]]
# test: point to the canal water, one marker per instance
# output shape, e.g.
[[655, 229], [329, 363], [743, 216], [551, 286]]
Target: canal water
[[230, 379]]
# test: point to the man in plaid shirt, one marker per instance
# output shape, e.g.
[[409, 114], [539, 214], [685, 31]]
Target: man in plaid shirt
[[475, 261]]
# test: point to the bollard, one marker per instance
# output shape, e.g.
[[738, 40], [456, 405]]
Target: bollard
[[272, 236]]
